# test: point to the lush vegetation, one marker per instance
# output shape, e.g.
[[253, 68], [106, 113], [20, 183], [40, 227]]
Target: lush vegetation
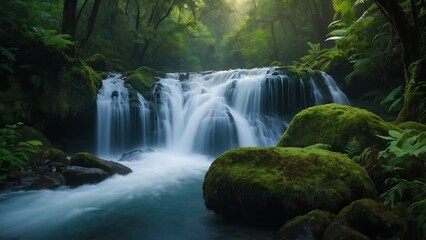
[[403, 163], [53, 55]]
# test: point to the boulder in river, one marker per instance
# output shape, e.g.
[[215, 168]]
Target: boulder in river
[[335, 125], [87, 160], [84, 168], [76, 176], [272, 185]]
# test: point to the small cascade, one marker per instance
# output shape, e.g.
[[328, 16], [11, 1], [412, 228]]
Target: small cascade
[[337, 94], [123, 121], [208, 113], [113, 116]]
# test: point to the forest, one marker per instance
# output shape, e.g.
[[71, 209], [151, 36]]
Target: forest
[[166, 58]]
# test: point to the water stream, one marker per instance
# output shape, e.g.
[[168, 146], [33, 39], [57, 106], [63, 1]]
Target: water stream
[[187, 123]]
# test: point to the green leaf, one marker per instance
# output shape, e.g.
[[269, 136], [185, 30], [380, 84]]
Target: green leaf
[[35, 143], [395, 134]]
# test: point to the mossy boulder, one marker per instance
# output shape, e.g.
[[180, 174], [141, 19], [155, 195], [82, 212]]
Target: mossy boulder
[[97, 62], [309, 226], [273, 185], [143, 80], [413, 125], [74, 91], [342, 232], [335, 125], [87, 160], [370, 218]]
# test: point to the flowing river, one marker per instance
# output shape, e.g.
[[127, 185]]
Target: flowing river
[[179, 129]]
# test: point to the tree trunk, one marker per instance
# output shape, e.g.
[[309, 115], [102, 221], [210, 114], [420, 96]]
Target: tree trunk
[[69, 18], [91, 22], [414, 68], [274, 41]]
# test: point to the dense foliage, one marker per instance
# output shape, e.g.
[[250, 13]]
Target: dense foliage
[[404, 161]]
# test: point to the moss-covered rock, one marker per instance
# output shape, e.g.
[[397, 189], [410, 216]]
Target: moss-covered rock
[[413, 125], [309, 226], [87, 160], [97, 62], [143, 80], [74, 91], [335, 125], [272, 185], [342, 232], [370, 218]]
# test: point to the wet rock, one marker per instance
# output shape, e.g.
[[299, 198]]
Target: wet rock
[[87, 160], [307, 227], [76, 176], [134, 155], [31, 180], [370, 218]]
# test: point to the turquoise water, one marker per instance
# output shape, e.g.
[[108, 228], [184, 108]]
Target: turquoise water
[[161, 199]]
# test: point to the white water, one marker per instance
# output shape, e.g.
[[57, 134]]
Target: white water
[[54, 214], [113, 115], [336, 93], [209, 113], [162, 198]]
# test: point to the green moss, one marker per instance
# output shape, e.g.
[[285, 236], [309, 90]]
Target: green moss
[[371, 218], [299, 72], [335, 125], [143, 80], [27, 146], [84, 159], [97, 62], [341, 232], [276, 184], [276, 64], [413, 125], [56, 155], [74, 91], [309, 226], [15, 105]]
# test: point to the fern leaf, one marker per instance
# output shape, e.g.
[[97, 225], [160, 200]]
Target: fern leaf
[[393, 95]]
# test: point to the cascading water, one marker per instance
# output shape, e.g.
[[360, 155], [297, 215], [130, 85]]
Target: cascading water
[[209, 113], [121, 121], [162, 198]]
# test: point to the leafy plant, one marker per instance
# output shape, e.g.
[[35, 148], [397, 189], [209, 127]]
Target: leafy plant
[[13, 154], [353, 148], [393, 98], [404, 161], [60, 42]]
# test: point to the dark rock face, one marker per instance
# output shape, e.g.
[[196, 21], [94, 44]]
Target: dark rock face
[[31, 180], [306, 227], [341, 232], [370, 218], [87, 160], [76, 176], [84, 168]]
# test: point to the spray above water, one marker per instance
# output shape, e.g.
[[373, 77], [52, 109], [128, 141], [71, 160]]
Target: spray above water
[[208, 113]]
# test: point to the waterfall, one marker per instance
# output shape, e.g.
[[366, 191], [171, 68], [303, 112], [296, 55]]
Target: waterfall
[[123, 121], [207, 113], [336, 93]]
